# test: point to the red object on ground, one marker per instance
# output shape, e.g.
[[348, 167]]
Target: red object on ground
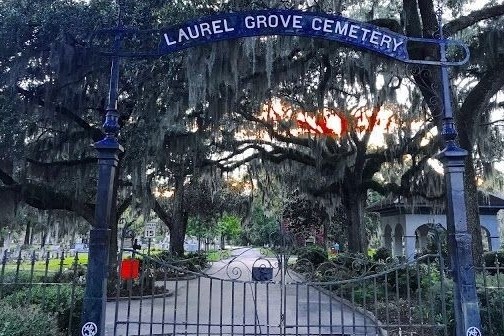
[[130, 269]]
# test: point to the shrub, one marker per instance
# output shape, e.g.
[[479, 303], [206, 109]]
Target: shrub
[[491, 300], [192, 261], [316, 255], [408, 278], [382, 254], [57, 300], [166, 264], [11, 283], [494, 261], [74, 273], [26, 321]]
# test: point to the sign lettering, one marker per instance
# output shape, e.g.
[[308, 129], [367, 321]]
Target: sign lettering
[[284, 22], [150, 230]]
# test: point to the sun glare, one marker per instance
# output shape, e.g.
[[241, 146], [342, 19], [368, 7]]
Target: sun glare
[[377, 121]]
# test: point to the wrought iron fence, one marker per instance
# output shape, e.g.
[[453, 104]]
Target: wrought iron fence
[[283, 295], [265, 295], [39, 293], [490, 285]]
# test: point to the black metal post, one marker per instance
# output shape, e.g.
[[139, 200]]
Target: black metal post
[[149, 246], [467, 314], [109, 149]]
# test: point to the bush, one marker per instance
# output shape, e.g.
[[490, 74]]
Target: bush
[[57, 300], [491, 303], [26, 321], [166, 264], [382, 254], [314, 254], [493, 260], [75, 273], [12, 283]]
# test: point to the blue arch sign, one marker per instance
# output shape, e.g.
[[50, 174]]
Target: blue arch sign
[[293, 22]]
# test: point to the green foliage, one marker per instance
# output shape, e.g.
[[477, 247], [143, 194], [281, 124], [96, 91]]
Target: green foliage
[[494, 261], [382, 254], [410, 277], [70, 275], [491, 298], [304, 217], [316, 255], [64, 302], [213, 256], [261, 228], [197, 227], [11, 282], [169, 265], [27, 320], [229, 226]]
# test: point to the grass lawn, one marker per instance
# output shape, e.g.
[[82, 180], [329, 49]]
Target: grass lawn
[[218, 255], [52, 266], [267, 252]]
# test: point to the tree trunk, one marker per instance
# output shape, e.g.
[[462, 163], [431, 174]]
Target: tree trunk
[[27, 234], [354, 206], [74, 230], [43, 236], [56, 232], [177, 236], [472, 211], [180, 217], [113, 224], [48, 235]]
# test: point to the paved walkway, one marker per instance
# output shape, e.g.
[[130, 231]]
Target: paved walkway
[[227, 302]]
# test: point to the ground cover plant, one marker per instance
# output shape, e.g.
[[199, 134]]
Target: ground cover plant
[[34, 299], [414, 297]]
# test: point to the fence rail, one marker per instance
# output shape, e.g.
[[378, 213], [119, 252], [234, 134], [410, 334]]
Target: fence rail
[[400, 298], [41, 293]]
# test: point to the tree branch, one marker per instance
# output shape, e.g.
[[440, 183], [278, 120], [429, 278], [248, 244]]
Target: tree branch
[[475, 103], [45, 198], [163, 215], [6, 178], [305, 142], [124, 205], [95, 133], [463, 22], [65, 163]]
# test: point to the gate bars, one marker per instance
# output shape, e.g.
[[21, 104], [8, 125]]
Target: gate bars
[[47, 287], [421, 302], [396, 298], [466, 309]]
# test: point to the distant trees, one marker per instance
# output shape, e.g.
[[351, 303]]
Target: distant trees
[[217, 105], [321, 80]]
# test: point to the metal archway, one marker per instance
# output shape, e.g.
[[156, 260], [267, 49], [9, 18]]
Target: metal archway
[[285, 22]]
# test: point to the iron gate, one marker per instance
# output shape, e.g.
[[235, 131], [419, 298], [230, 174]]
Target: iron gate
[[252, 294]]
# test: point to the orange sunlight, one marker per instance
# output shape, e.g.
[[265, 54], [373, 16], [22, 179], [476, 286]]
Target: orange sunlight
[[331, 122]]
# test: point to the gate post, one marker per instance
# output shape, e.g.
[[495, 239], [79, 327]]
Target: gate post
[[109, 149], [467, 314]]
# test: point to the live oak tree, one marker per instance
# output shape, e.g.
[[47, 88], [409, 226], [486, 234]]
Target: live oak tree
[[418, 19], [53, 86], [471, 105]]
